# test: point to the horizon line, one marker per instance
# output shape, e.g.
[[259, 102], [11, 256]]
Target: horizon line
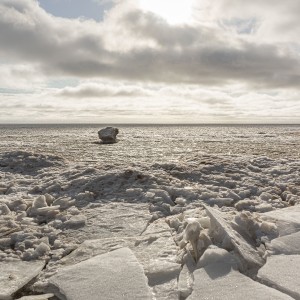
[[153, 124]]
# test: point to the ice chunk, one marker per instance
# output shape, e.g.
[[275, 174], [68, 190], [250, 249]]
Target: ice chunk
[[41, 249], [286, 219], [282, 271], [114, 275], [37, 297], [215, 254], [76, 221], [39, 202], [222, 231], [49, 210], [221, 201], [161, 270], [4, 209], [288, 244], [192, 234], [186, 278], [264, 207], [49, 199], [15, 274], [218, 281], [64, 203], [204, 222], [246, 204]]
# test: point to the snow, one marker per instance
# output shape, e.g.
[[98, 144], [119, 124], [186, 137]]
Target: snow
[[65, 199], [114, 275]]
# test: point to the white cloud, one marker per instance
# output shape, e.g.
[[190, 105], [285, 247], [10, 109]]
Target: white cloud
[[234, 59]]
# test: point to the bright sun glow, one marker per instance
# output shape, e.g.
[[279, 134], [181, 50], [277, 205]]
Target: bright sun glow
[[173, 11]]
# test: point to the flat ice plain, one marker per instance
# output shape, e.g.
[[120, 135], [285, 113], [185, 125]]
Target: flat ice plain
[[83, 220]]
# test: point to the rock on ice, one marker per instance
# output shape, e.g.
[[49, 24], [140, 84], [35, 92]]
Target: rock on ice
[[108, 135]]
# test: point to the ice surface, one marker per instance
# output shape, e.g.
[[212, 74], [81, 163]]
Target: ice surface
[[115, 275], [155, 250], [282, 272], [15, 274], [288, 244], [287, 219], [66, 198], [218, 281]]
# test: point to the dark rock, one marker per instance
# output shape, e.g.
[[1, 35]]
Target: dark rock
[[108, 135]]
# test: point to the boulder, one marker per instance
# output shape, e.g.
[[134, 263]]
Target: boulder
[[108, 135]]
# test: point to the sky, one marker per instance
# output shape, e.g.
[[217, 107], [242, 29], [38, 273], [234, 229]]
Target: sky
[[150, 61]]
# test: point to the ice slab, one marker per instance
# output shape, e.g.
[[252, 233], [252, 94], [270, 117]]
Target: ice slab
[[37, 297], [218, 281], [223, 232], [155, 249], [288, 244], [112, 220], [112, 276], [282, 271], [287, 219], [15, 274]]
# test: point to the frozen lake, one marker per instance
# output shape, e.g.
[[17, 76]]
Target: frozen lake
[[149, 144], [184, 210]]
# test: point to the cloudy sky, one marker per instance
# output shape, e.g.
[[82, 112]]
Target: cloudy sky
[[149, 61]]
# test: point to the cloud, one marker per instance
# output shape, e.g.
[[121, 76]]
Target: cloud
[[99, 90], [145, 48]]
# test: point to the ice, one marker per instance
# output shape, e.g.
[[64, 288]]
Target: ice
[[66, 199], [218, 281], [114, 275], [192, 234], [221, 201], [288, 244], [281, 271], [37, 297], [15, 274], [246, 204], [186, 278], [75, 222], [155, 250], [41, 249], [287, 219], [214, 255], [224, 233], [4, 209]]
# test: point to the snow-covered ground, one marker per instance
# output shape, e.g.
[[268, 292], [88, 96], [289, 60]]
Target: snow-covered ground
[[169, 212]]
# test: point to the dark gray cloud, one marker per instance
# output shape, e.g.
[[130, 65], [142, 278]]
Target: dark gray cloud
[[196, 54]]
